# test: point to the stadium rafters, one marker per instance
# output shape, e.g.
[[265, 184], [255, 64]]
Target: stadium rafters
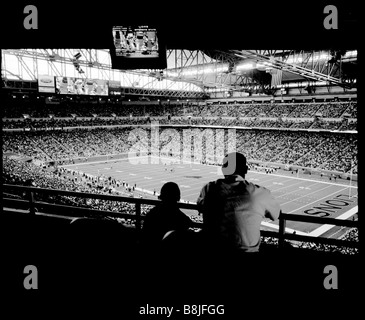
[[27, 64], [203, 71], [313, 65]]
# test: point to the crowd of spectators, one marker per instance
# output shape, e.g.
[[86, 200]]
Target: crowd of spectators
[[66, 109], [352, 235], [52, 123], [318, 150], [26, 173]]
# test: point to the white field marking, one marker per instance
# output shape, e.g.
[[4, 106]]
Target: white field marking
[[294, 190], [289, 177], [184, 186], [132, 174], [96, 162], [149, 178], [271, 225], [338, 231], [303, 196], [195, 169], [324, 228], [289, 186], [306, 195], [188, 195], [326, 196], [119, 171], [267, 180]]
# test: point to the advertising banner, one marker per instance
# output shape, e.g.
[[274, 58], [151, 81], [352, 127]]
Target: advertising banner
[[46, 83], [78, 86]]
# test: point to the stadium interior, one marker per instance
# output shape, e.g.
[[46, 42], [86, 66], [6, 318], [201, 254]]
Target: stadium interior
[[70, 122]]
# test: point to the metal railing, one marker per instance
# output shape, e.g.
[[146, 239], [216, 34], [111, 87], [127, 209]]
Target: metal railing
[[58, 209]]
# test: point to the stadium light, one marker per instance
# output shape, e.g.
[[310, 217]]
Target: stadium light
[[245, 66]]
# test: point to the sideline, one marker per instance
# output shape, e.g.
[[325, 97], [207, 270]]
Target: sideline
[[324, 228], [318, 181]]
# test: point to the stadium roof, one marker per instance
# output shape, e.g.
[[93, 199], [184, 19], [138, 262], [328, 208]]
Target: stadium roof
[[198, 70]]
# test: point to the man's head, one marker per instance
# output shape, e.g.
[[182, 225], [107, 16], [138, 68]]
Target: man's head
[[234, 163], [170, 192]]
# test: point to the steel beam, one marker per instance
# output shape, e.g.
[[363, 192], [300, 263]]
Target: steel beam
[[274, 62]]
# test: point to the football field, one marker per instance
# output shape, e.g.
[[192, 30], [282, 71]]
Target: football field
[[302, 194]]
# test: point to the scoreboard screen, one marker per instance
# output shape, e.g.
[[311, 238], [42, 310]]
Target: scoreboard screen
[[137, 47]]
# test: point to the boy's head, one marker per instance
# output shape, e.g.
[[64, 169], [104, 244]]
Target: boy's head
[[170, 192]]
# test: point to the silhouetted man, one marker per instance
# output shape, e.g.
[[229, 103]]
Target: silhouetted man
[[233, 208]]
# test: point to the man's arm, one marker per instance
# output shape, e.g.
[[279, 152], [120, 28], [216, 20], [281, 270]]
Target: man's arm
[[201, 201], [272, 210]]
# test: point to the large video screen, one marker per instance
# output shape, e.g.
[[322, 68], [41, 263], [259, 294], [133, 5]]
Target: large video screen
[[137, 42], [78, 86], [137, 47]]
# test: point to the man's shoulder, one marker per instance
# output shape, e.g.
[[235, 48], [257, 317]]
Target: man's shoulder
[[256, 187], [211, 183]]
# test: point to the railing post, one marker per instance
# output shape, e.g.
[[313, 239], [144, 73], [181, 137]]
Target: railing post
[[31, 203], [282, 225], [138, 216]]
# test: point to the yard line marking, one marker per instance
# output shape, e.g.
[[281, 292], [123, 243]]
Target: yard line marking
[[132, 174], [118, 171], [324, 228], [308, 204], [286, 186], [294, 190], [289, 177], [149, 178], [275, 226]]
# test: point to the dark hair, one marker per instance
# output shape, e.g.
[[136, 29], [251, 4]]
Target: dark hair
[[170, 191], [234, 163]]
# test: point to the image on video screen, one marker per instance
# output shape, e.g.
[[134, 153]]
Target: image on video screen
[[139, 42]]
